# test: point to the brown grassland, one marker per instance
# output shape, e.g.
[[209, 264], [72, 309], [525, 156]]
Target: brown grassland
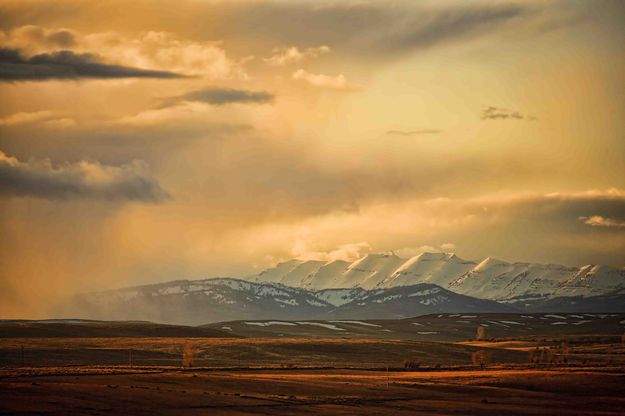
[[141, 376]]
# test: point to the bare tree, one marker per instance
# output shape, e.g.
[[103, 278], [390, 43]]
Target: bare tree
[[480, 334], [480, 358], [188, 352]]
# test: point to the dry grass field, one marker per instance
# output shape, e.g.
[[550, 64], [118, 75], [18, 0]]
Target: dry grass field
[[190, 374], [240, 352], [101, 391]]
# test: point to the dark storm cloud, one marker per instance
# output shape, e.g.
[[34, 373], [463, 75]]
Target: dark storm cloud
[[14, 66], [412, 132], [498, 113], [222, 96], [85, 179]]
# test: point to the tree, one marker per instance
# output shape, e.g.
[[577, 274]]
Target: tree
[[188, 351], [480, 358], [480, 334]]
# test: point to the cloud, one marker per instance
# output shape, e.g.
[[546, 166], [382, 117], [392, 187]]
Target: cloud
[[368, 28], [66, 65], [47, 118], [290, 55], [17, 119], [412, 132], [222, 96], [152, 50], [163, 50], [338, 82], [346, 252], [498, 113], [84, 179], [48, 38], [599, 221], [408, 252]]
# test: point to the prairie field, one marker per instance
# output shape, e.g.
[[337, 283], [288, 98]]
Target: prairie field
[[192, 373], [307, 392]]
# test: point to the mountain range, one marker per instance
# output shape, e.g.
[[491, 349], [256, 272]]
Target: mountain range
[[486, 279], [377, 286], [195, 302]]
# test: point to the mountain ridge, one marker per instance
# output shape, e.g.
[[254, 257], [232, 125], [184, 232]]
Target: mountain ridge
[[489, 278], [223, 299]]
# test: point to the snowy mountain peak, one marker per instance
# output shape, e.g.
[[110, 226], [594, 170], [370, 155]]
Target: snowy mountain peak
[[489, 278], [489, 262]]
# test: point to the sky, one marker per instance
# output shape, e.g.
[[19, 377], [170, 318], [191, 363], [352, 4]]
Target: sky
[[148, 141]]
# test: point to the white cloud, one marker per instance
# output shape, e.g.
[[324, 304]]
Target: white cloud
[[408, 252], [147, 50], [337, 82], [290, 55], [599, 221], [346, 252]]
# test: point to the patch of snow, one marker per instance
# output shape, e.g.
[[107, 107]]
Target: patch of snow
[[555, 316], [511, 322], [559, 323], [291, 302], [425, 292], [313, 302], [356, 323], [269, 323], [322, 325]]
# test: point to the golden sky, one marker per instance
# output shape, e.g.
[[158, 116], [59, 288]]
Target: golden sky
[[148, 141]]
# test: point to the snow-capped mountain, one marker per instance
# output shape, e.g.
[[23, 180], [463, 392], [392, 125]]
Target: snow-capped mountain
[[487, 279], [223, 299]]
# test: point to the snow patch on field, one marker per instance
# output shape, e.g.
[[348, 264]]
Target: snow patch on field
[[269, 323], [356, 323], [555, 316], [327, 326]]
